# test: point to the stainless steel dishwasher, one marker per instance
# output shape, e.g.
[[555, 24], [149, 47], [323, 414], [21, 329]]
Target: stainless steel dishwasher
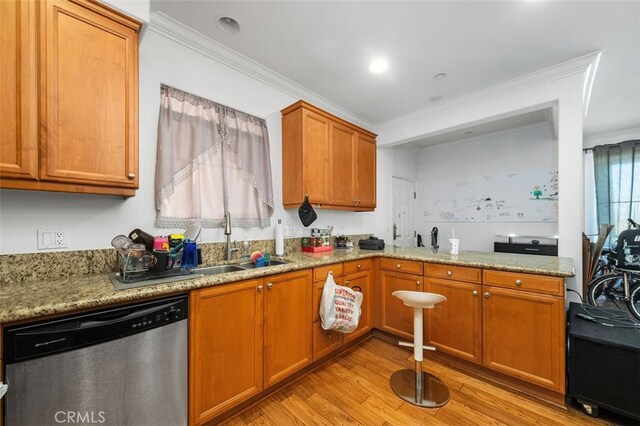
[[121, 366]]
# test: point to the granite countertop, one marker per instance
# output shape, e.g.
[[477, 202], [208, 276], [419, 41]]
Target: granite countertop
[[30, 300]]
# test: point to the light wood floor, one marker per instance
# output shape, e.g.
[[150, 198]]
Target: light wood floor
[[354, 389]]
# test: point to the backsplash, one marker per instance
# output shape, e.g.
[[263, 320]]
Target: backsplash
[[16, 268]]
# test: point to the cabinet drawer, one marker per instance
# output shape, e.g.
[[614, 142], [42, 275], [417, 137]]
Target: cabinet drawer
[[357, 266], [324, 341], [535, 283], [317, 296], [320, 273], [407, 266], [459, 273]]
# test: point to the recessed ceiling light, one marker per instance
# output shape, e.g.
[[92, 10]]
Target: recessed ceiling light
[[228, 24], [378, 65], [439, 76], [435, 98]]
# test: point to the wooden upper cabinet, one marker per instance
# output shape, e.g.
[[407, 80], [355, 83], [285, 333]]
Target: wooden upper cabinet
[[366, 171], [343, 162], [90, 89], [85, 80], [18, 90], [331, 160]]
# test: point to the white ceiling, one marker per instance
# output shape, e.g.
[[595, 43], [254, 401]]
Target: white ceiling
[[326, 47]]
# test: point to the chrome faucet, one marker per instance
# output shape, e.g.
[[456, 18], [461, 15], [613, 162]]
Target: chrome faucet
[[227, 232]]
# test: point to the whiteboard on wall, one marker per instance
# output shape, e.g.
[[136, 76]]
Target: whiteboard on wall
[[530, 196]]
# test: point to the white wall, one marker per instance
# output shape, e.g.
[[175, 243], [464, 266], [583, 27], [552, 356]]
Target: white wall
[[91, 221], [516, 150]]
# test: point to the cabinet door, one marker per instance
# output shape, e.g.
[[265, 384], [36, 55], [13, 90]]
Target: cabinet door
[[524, 335], [366, 171], [395, 316], [324, 341], [226, 341], [343, 157], [455, 326], [89, 107], [288, 322], [18, 90], [316, 157], [363, 281]]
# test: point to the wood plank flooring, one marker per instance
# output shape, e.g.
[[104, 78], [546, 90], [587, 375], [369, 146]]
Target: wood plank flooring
[[353, 389]]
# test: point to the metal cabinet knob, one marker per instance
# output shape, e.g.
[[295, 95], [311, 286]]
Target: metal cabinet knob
[[474, 292], [449, 273], [346, 282], [131, 176], [418, 283], [487, 295], [359, 266], [355, 201], [260, 288], [518, 282], [269, 286], [398, 265]]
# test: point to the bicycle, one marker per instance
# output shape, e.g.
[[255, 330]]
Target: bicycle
[[621, 286]]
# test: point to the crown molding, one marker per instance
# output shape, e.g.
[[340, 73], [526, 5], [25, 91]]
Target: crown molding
[[586, 64], [175, 30]]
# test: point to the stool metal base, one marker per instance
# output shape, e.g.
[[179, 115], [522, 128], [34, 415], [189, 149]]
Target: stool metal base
[[434, 392]]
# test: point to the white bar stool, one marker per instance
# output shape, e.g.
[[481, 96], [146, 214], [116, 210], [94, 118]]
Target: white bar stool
[[418, 387]]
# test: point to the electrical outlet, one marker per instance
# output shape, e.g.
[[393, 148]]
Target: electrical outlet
[[51, 239], [59, 239]]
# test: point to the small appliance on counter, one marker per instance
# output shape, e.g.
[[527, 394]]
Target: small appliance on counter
[[371, 243], [526, 245]]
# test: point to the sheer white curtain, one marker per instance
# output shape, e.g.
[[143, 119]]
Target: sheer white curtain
[[211, 159]]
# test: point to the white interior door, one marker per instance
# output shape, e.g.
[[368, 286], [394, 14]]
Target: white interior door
[[404, 208]]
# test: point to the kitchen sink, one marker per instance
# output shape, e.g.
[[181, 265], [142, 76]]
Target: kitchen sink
[[274, 262], [220, 269]]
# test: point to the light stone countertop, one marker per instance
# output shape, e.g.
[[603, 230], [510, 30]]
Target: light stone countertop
[[31, 300]]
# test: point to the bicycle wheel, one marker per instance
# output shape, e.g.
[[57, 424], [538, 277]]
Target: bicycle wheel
[[634, 297], [607, 291]]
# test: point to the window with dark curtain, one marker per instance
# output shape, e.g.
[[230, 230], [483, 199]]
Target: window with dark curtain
[[617, 183]]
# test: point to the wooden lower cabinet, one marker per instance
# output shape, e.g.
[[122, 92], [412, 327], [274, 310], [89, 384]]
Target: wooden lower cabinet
[[395, 317], [363, 282], [524, 336], [287, 324], [455, 326], [225, 348], [325, 342]]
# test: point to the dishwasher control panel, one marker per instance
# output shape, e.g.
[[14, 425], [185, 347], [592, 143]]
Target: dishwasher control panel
[[24, 342]]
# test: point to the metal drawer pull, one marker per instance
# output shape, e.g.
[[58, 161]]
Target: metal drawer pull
[[269, 286], [346, 282], [260, 288], [518, 282], [475, 292], [418, 283], [486, 295], [449, 273], [398, 265], [131, 176], [358, 266]]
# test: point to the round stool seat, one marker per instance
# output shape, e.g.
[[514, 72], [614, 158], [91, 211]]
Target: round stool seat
[[419, 299]]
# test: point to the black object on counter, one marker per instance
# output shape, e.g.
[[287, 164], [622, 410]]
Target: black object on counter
[[139, 236], [604, 360], [533, 248], [371, 243], [306, 212]]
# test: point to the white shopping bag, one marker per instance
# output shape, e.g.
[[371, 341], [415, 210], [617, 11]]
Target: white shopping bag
[[339, 307]]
